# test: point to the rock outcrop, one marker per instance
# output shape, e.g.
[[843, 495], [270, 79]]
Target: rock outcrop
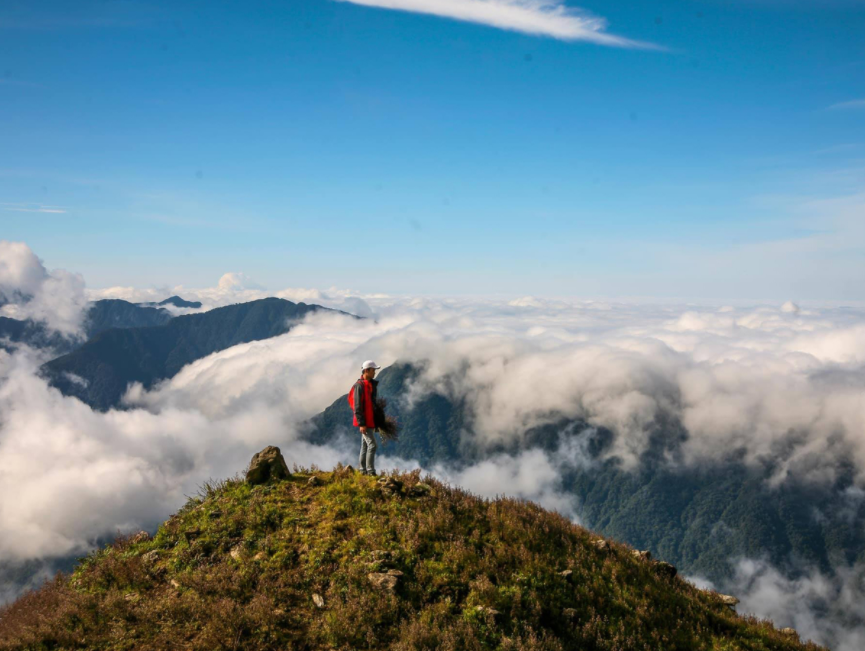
[[385, 580], [729, 601], [266, 465], [601, 545], [644, 555], [390, 486]]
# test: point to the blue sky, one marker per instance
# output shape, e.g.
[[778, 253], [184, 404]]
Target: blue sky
[[701, 149]]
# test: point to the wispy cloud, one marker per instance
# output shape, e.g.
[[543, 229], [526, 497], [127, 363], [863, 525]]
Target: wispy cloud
[[24, 207], [839, 149], [538, 17], [852, 104]]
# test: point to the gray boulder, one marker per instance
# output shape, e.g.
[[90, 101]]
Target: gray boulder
[[385, 580], [728, 601], [601, 545], [266, 465]]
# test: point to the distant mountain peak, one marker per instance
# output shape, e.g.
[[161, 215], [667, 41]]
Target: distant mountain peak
[[176, 301], [117, 357]]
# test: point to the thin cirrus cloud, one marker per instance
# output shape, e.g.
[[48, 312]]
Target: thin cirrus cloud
[[550, 18], [23, 207], [852, 104]]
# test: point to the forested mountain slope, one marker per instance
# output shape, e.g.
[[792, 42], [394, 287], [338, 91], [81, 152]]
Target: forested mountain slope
[[698, 517], [100, 316], [114, 313]]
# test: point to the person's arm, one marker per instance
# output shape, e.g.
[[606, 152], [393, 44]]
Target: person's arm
[[358, 404]]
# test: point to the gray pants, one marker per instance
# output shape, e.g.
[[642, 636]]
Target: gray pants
[[367, 451]]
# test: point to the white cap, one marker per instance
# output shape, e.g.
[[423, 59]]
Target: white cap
[[369, 364]]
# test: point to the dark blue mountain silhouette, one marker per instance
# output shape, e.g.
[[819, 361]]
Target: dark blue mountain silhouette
[[14, 332], [113, 313], [101, 316], [176, 301], [99, 372]]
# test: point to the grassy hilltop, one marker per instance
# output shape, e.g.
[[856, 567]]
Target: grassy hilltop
[[340, 560]]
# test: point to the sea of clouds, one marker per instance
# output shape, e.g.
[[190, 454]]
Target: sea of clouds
[[779, 381]]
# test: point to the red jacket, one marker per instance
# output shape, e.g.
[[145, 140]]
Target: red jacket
[[362, 398]]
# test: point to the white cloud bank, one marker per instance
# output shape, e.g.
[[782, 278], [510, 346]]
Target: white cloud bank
[[236, 281], [29, 291], [532, 474], [552, 18], [829, 609], [749, 378], [785, 382]]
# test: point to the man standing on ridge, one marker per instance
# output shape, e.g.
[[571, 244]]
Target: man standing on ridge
[[362, 399]]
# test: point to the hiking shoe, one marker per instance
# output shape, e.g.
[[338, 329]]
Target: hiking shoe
[[371, 473]]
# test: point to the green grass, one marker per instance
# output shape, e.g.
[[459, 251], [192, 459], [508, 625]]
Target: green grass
[[237, 566]]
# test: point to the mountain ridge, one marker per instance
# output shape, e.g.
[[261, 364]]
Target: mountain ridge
[[175, 300], [99, 372], [100, 316]]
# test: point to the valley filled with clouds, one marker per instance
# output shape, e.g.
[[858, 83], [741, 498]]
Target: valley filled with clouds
[[778, 385]]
